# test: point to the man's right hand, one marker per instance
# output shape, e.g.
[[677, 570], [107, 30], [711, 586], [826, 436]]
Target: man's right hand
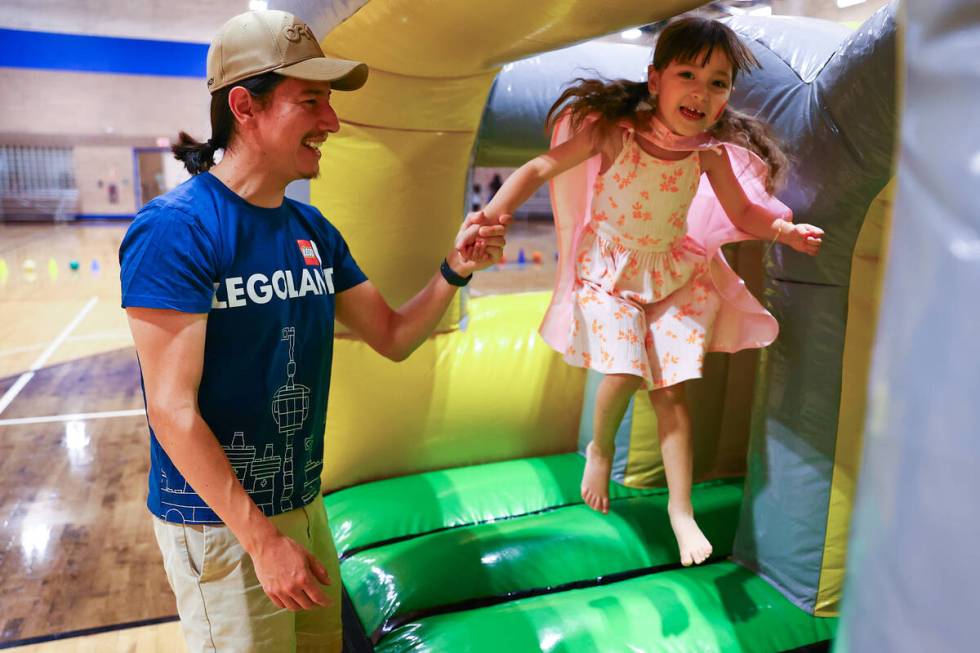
[[289, 574]]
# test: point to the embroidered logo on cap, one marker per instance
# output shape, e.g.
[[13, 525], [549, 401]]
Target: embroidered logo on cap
[[298, 32]]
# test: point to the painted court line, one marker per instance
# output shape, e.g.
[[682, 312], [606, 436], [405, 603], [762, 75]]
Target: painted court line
[[12, 393], [116, 334], [72, 417]]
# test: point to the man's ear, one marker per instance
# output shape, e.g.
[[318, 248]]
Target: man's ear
[[242, 105]]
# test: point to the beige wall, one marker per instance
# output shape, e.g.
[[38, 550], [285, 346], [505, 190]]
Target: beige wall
[[163, 20], [105, 116], [98, 168], [34, 102]]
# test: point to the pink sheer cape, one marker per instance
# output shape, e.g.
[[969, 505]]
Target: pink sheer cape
[[742, 322]]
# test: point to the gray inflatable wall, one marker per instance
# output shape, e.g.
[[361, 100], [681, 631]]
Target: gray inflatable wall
[[839, 118]]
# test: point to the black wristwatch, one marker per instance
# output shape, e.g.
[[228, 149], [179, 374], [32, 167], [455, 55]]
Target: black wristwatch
[[451, 277]]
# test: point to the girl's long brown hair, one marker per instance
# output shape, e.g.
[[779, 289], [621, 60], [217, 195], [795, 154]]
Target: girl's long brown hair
[[685, 40]]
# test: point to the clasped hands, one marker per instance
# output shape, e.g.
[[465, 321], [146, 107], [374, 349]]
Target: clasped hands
[[479, 243]]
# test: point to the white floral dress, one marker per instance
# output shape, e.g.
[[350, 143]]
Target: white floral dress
[[644, 304]]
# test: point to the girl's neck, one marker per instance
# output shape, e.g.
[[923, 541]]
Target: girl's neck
[[658, 140], [660, 153]]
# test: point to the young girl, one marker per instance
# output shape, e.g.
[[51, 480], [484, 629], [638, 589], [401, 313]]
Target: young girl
[[643, 290]]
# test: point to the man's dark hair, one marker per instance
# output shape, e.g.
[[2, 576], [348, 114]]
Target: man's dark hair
[[198, 157]]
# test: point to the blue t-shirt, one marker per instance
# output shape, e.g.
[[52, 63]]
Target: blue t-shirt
[[266, 278]]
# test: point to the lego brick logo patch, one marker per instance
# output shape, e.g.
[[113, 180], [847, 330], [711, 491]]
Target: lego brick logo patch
[[308, 250]]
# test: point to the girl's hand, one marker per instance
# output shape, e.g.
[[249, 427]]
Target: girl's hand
[[802, 237], [479, 243]]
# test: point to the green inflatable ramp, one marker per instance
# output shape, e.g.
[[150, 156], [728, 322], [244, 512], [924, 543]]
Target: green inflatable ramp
[[423, 556], [718, 608]]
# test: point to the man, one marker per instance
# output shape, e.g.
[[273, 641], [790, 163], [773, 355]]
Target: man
[[231, 291]]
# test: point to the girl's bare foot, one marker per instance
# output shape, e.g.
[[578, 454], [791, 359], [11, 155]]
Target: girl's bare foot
[[595, 480], [691, 542]]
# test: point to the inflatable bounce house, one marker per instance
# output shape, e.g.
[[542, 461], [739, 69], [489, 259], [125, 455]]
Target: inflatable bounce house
[[452, 479]]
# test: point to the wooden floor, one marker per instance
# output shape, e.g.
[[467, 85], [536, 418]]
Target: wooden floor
[[79, 566], [162, 638]]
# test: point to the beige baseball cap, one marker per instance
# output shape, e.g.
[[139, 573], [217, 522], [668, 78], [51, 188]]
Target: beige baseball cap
[[259, 42]]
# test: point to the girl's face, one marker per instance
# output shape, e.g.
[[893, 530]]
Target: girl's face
[[691, 97]]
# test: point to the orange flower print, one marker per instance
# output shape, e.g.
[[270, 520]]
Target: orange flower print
[[597, 330], [671, 334], [668, 183], [635, 156], [599, 216], [621, 312], [686, 310], [624, 180], [632, 268], [600, 185], [622, 220], [640, 214], [629, 335], [639, 365], [587, 359], [678, 219], [645, 194], [607, 359], [647, 241], [668, 359]]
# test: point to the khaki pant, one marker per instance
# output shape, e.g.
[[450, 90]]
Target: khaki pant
[[221, 603]]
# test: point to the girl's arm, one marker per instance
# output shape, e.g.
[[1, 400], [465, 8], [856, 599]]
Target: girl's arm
[[529, 177], [750, 217]]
